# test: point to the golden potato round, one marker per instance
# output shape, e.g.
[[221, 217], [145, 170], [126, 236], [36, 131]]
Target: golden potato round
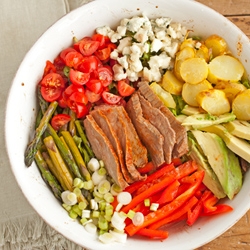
[[225, 68], [217, 44], [202, 52], [194, 70], [171, 83], [214, 101], [190, 91], [188, 43], [241, 105], [231, 89]]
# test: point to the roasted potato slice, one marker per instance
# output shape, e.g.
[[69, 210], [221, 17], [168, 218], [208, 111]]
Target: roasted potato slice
[[171, 83], [190, 92], [241, 105], [225, 68], [214, 101], [217, 44], [194, 70]]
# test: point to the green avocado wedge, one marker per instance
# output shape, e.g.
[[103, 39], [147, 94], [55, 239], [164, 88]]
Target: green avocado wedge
[[223, 162]]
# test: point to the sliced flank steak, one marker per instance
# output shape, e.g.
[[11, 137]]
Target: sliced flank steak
[[181, 145], [134, 151], [109, 131], [104, 150], [149, 135], [161, 122]]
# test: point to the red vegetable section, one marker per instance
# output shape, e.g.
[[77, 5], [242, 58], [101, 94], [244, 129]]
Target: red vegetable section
[[181, 195]]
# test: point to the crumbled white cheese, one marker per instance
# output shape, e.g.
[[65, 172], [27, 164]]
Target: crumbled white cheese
[[146, 47]]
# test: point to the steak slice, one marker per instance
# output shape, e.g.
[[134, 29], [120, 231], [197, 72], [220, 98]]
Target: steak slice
[[103, 150], [161, 122], [149, 135], [181, 145], [108, 130], [134, 152]]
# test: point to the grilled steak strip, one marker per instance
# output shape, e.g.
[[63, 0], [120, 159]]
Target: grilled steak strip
[[104, 150], [149, 135], [181, 145], [109, 131], [161, 122], [132, 147]]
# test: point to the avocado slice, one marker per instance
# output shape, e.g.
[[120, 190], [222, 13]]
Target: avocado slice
[[210, 179], [222, 160], [198, 121], [239, 128], [239, 146]]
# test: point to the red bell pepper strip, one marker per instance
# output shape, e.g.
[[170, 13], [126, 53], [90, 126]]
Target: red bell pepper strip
[[136, 185], [153, 234], [149, 167], [220, 208], [209, 203], [169, 193], [176, 215], [167, 209], [177, 173], [194, 214]]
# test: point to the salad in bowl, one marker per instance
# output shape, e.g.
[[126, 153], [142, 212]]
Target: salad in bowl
[[134, 125]]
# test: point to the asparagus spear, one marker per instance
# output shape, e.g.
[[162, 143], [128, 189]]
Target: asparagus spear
[[76, 154], [61, 167], [48, 177], [72, 127], [33, 145], [68, 158], [84, 138], [43, 104], [78, 142]]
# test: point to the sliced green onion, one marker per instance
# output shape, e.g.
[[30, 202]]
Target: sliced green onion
[[69, 198], [66, 207], [93, 164], [119, 237], [104, 187], [102, 205], [124, 198], [77, 191], [93, 204], [115, 189], [147, 202], [108, 197], [102, 171], [97, 178], [131, 214], [88, 185], [138, 219], [77, 182], [154, 206], [85, 213], [77, 210], [90, 228], [101, 163], [73, 214], [95, 214], [83, 220], [82, 205], [103, 223], [117, 221]]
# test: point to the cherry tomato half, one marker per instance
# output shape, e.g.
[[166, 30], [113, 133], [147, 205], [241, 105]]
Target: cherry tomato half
[[88, 47], [49, 68], [88, 64], [124, 88], [105, 75], [52, 86], [92, 97], [95, 86], [65, 52], [78, 77], [59, 120], [72, 59], [103, 54], [103, 40], [110, 98], [82, 110]]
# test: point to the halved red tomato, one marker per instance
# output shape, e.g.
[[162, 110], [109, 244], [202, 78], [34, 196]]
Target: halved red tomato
[[124, 88], [110, 98], [72, 59], [88, 64], [82, 110], [105, 75], [92, 97], [76, 45], [88, 47], [71, 89], [76, 97], [95, 86], [78, 77], [49, 68], [65, 52], [103, 40], [59, 120], [103, 54], [52, 86]]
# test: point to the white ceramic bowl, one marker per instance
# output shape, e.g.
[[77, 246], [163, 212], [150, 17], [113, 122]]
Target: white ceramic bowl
[[22, 107]]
